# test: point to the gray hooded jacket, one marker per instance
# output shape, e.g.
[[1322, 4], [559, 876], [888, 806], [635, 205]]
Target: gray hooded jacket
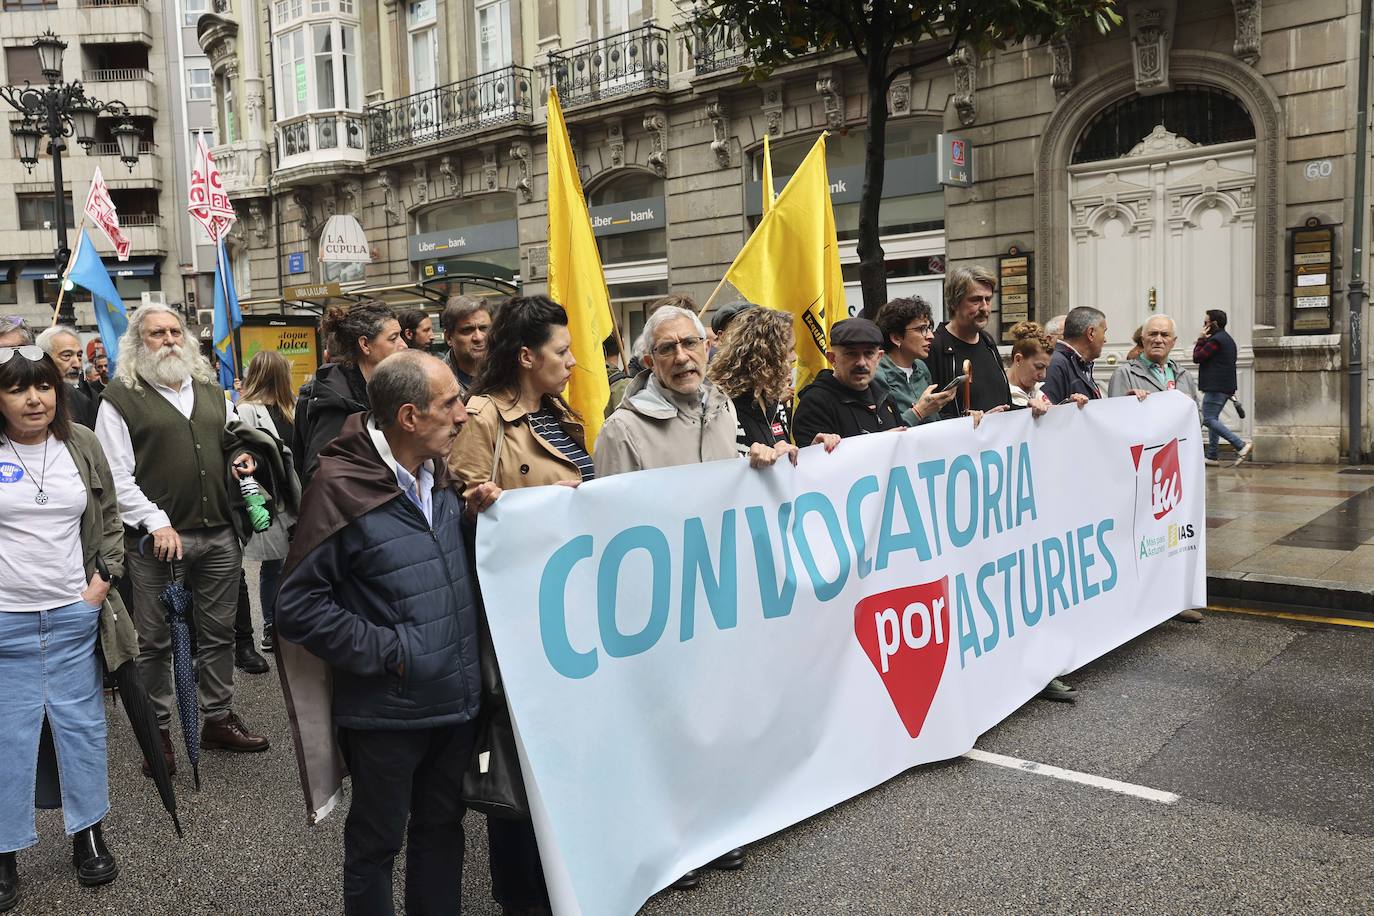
[[657, 428]]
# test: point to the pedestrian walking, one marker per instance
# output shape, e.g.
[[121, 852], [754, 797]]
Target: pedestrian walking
[[360, 337], [62, 549], [377, 587], [520, 433], [1215, 355]]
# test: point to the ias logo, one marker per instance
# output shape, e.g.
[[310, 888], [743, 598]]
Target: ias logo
[[905, 634], [1178, 534], [1166, 482]]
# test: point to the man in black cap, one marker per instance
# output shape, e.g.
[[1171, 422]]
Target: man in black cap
[[720, 320], [848, 400]]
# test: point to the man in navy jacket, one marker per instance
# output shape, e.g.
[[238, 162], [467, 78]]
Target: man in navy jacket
[[377, 587]]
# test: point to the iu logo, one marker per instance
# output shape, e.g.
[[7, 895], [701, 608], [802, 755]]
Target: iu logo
[[1166, 483], [905, 633]]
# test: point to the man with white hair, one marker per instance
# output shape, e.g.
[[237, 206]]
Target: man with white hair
[[1054, 328], [672, 414], [161, 423], [63, 344]]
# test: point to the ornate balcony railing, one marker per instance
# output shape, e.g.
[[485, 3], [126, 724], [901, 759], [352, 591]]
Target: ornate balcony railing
[[320, 131], [717, 48], [145, 148], [96, 3], [123, 75], [500, 97], [244, 166], [615, 65]]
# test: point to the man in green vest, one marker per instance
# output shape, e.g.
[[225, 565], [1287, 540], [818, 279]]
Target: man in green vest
[[161, 423]]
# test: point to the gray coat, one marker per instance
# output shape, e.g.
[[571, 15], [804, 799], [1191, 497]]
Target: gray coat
[[1133, 375], [655, 428]]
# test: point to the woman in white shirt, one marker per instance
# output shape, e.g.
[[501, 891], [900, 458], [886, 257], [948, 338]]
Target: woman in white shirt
[[62, 548]]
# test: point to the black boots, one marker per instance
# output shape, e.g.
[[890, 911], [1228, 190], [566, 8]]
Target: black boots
[[247, 659], [9, 881], [93, 862]]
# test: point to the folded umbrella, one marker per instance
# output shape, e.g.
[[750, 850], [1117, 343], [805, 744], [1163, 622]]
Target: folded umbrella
[[138, 706], [176, 599]]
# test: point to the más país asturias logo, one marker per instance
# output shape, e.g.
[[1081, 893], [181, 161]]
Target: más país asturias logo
[[905, 633]]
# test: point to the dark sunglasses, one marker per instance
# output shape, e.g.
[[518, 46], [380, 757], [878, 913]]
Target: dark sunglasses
[[33, 354]]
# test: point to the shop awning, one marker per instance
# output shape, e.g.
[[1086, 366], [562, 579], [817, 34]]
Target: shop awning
[[135, 267]]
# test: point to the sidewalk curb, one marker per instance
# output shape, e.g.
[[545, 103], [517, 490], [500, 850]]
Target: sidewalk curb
[[1331, 598]]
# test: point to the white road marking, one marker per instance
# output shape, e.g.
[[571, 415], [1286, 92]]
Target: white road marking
[[1086, 779]]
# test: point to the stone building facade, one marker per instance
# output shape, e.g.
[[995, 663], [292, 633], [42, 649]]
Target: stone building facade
[[424, 121]]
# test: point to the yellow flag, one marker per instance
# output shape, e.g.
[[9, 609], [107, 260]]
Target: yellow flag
[[576, 281], [768, 193], [792, 262]]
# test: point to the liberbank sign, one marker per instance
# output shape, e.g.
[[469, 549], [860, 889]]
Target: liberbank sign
[[611, 219]]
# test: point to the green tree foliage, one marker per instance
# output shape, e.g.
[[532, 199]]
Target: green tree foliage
[[775, 32]]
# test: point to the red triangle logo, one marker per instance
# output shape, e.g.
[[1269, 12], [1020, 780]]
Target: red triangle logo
[[1135, 455]]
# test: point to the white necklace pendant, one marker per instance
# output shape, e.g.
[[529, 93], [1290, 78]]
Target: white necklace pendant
[[41, 498]]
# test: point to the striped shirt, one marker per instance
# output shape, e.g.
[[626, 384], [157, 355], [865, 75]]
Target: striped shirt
[[545, 425]]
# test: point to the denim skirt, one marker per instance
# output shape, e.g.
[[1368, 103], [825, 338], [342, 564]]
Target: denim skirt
[[48, 666]]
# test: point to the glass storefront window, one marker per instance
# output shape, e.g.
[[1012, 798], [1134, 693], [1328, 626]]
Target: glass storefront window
[[911, 143], [647, 245]]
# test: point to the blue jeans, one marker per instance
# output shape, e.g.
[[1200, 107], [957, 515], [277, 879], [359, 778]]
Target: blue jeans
[[269, 576], [49, 667], [1212, 403]]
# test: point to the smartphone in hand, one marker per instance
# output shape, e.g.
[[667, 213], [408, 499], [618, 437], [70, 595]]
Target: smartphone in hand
[[953, 383]]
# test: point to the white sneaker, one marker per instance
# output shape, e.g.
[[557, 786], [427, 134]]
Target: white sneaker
[[1211, 462], [1244, 454]]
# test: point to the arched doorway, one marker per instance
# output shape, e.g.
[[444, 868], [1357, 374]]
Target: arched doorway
[[1162, 218]]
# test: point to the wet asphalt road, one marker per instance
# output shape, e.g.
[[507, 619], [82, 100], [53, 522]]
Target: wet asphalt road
[[1263, 727]]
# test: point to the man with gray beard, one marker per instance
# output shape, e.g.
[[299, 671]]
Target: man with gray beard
[[63, 344], [170, 481]]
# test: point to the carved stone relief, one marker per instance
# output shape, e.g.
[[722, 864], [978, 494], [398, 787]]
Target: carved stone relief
[[965, 64], [720, 127], [773, 108], [453, 179], [899, 96], [656, 123], [391, 204], [521, 154], [615, 141], [490, 176], [1247, 46], [306, 218], [1061, 49], [421, 182], [1151, 38], [257, 219], [1160, 140], [832, 94]]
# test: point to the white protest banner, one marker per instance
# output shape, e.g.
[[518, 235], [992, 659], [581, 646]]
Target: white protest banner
[[101, 209], [206, 200], [698, 657]]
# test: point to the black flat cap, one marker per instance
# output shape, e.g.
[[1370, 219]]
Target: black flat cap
[[723, 315], [855, 332]]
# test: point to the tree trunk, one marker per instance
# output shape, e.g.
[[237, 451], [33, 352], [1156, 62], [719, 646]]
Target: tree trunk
[[872, 269]]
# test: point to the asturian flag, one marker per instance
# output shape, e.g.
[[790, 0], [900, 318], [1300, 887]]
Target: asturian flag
[[227, 318], [87, 271]]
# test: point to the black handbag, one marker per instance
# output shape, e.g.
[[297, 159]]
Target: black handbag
[[1240, 408], [493, 783]]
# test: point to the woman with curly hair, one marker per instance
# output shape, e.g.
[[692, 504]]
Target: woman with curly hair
[[753, 366], [1030, 357]]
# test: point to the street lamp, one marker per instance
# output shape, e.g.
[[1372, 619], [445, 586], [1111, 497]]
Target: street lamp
[[57, 111]]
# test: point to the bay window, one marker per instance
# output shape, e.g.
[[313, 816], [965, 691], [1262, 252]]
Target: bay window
[[327, 79]]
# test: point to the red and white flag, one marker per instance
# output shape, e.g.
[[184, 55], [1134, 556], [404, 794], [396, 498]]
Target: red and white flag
[[208, 203], [101, 210]]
